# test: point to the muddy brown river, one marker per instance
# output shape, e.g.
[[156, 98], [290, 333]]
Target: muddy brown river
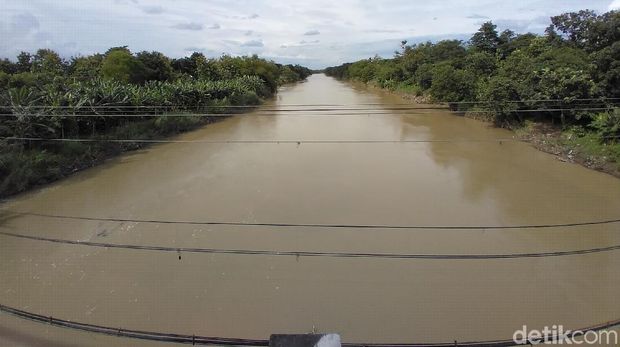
[[459, 182]]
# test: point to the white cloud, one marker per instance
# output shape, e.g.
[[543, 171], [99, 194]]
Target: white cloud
[[24, 23], [189, 26], [615, 5], [152, 9], [253, 43], [123, 2], [477, 16], [349, 29]]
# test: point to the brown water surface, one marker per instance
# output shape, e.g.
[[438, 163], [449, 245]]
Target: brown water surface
[[463, 183]]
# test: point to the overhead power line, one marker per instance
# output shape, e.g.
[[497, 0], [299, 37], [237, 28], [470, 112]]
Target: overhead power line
[[315, 109], [216, 115], [224, 341], [133, 334], [320, 226], [602, 99], [294, 142], [307, 112], [317, 254], [298, 142]]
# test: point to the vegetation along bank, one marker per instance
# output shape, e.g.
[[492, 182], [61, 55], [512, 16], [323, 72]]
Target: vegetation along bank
[[43, 96], [560, 90]]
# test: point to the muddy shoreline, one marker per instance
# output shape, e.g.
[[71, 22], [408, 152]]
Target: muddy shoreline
[[545, 137]]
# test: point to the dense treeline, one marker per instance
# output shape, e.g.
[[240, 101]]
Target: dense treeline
[[43, 96], [576, 64]]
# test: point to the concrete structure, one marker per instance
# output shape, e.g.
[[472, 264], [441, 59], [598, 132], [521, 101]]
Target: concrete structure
[[306, 340]]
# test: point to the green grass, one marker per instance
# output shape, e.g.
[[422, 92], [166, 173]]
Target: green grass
[[404, 87], [592, 145], [577, 143]]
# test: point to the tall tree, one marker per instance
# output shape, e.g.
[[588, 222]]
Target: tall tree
[[575, 26], [157, 66], [121, 65], [189, 65], [486, 39], [8, 66], [24, 62], [86, 68], [47, 61]]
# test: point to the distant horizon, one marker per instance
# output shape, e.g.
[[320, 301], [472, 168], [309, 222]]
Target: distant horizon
[[315, 35], [396, 47]]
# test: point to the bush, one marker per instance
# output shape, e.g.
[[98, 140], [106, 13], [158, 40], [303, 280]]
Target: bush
[[452, 85], [120, 65], [500, 95], [607, 125]]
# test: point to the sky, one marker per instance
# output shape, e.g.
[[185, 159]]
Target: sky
[[315, 33]]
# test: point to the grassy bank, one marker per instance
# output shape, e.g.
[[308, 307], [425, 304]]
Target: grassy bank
[[595, 149], [594, 146], [59, 117], [24, 165], [575, 145]]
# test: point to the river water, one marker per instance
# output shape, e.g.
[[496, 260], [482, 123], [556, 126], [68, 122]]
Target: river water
[[453, 183]]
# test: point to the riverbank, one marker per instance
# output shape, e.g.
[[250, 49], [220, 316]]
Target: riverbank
[[35, 167], [27, 164], [573, 145], [405, 91], [59, 117], [551, 79]]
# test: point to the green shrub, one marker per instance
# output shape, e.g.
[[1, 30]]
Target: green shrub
[[607, 125]]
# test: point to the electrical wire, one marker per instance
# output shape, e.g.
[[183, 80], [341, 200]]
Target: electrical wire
[[602, 99], [297, 142], [319, 109], [214, 115], [308, 112], [180, 250], [224, 341], [320, 226], [133, 334]]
